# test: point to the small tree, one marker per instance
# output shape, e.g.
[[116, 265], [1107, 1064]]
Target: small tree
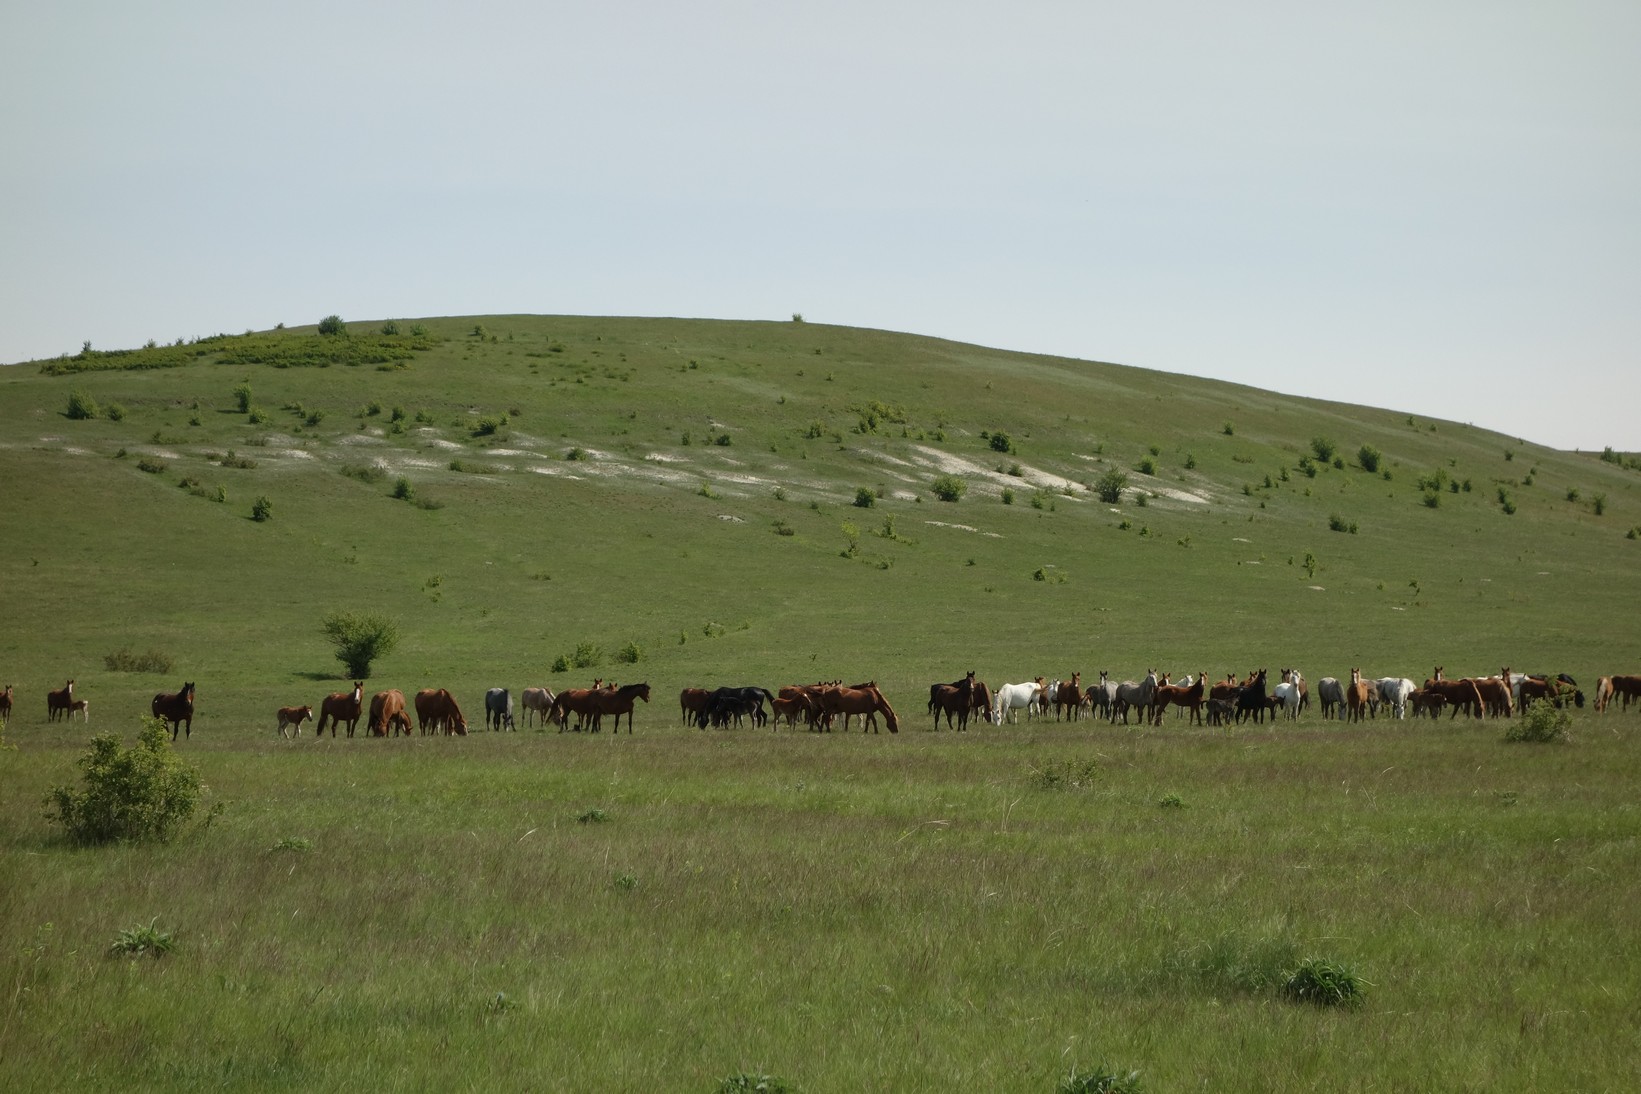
[[81, 406], [359, 640], [132, 795], [242, 397], [1324, 448], [1002, 442], [1368, 457], [949, 487], [1110, 485]]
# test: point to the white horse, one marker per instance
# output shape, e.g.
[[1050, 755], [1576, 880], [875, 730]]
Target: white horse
[[1288, 695], [1394, 693], [1012, 697], [537, 702]]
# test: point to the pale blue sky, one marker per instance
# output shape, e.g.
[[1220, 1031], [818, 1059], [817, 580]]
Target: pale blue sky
[[1425, 206]]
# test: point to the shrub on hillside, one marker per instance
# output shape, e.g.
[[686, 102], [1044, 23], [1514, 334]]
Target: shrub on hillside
[[1369, 457], [359, 640], [124, 660], [81, 406], [129, 795], [332, 326], [1110, 486], [949, 487]]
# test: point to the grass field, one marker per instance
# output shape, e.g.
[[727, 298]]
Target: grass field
[[896, 912]]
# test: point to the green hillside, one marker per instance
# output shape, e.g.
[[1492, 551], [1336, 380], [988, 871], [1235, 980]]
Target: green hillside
[[688, 487]]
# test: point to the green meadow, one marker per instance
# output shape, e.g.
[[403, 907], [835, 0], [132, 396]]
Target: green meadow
[[695, 503]]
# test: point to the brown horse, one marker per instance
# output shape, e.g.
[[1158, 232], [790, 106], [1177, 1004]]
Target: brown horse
[[867, 701], [952, 699], [292, 718], [176, 707], [577, 701], [1459, 694], [341, 707], [82, 707], [5, 705], [692, 703], [387, 712], [1188, 697], [1627, 688], [618, 702], [437, 712], [1356, 697], [1068, 698], [57, 702]]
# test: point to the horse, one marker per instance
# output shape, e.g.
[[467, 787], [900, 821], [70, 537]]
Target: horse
[[1102, 696], [537, 702], [1356, 697], [5, 705], [1251, 699], [387, 712], [692, 704], [865, 700], [1138, 696], [1012, 697], [1189, 697], [1068, 698], [1331, 694], [1459, 694], [1394, 692], [1603, 693], [498, 709], [577, 701], [1046, 694], [341, 707], [291, 718], [1425, 701], [437, 712], [1527, 689], [1495, 694], [1221, 712], [57, 702], [1627, 688], [82, 707], [950, 699], [176, 707], [618, 702], [724, 704], [1297, 679]]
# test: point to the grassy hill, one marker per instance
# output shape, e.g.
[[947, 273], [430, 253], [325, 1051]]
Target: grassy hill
[[677, 501]]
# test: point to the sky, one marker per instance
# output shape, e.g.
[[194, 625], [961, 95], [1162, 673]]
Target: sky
[[1426, 206]]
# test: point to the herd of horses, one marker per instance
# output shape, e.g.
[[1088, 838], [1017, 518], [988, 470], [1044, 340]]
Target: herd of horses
[[817, 706]]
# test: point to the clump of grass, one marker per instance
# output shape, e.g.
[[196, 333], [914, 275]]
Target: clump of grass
[[1065, 774], [592, 816], [152, 466], [1102, 1080], [1542, 722], [292, 844], [233, 460], [1325, 983], [366, 473], [1171, 801], [147, 939], [747, 1082], [123, 660]]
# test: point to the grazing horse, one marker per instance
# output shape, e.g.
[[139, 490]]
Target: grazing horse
[[1356, 697], [1603, 693], [537, 702], [618, 702], [498, 709], [577, 701], [865, 700], [1012, 697], [387, 712], [57, 702], [437, 712], [291, 718], [1189, 697], [1136, 696], [692, 705], [341, 707], [5, 705], [1626, 688], [176, 707]]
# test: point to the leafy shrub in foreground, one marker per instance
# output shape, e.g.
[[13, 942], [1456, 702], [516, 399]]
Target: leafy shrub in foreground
[[130, 795], [146, 939], [1541, 722], [1102, 1080]]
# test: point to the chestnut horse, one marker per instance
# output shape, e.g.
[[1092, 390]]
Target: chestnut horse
[[577, 701], [865, 700], [1068, 698], [1627, 688], [387, 711], [292, 718], [341, 707], [1356, 697], [618, 702], [437, 712], [950, 699], [1460, 694], [57, 702], [176, 707], [1188, 697]]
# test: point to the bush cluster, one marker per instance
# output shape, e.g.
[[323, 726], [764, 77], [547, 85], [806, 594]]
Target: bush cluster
[[130, 795]]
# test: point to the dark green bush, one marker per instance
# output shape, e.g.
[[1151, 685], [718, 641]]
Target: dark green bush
[[949, 487], [359, 640], [81, 406], [130, 795]]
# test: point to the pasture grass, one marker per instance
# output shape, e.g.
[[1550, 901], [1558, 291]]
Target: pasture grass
[[1000, 909]]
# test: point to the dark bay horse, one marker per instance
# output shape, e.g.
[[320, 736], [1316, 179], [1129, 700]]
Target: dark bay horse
[[58, 702], [5, 704], [176, 707]]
